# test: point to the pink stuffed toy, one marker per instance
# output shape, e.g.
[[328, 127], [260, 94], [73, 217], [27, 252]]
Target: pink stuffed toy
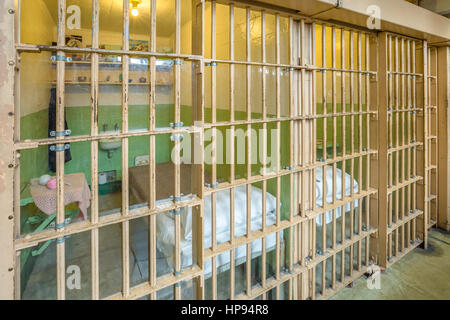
[[51, 184]]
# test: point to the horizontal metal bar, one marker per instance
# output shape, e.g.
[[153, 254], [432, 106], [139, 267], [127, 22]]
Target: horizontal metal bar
[[32, 144], [300, 168], [38, 48], [290, 67], [405, 73], [32, 239], [281, 119], [403, 147], [405, 183], [161, 283], [403, 221]]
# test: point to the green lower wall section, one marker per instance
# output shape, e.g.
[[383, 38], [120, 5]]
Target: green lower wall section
[[34, 163]]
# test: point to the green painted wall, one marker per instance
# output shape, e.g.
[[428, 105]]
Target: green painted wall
[[34, 163]]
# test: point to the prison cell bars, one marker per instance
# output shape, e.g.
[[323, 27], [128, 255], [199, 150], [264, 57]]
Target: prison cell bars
[[122, 217], [72, 230], [401, 211], [220, 187], [353, 113], [431, 109]]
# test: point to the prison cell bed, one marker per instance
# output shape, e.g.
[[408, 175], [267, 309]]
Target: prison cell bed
[[139, 188]]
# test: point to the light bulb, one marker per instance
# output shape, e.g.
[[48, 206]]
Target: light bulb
[[135, 12]]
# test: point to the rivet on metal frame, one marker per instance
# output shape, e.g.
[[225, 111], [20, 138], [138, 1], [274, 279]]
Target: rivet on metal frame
[[11, 11]]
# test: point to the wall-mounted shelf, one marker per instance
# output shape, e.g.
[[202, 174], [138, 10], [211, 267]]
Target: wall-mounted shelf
[[161, 65], [113, 84]]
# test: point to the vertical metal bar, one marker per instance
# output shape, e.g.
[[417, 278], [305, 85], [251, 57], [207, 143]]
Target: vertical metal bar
[[291, 153], [264, 147], [334, 182], [214, 129], [60, 126], [344, 142], [152, 159], [278, 145], [125, 185], [94, 152], [414, 134], [198, 102], [423, 191], [312, 222], [368, 160], [249, 150], [8, 267], [324, 133], [232, 153], [360, 144], [352, 146], [382, 144], [324, 136], [177, 144]]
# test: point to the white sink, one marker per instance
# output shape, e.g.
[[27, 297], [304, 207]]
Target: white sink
[[110, 144]]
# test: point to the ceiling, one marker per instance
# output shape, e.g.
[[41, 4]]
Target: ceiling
[[441, 7]]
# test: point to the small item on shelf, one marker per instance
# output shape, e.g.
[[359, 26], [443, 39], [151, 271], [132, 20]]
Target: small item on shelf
[[108, 78], [142, 79], [82, 78], [74, 41], [138, 45], [130, 80], [77, 57]]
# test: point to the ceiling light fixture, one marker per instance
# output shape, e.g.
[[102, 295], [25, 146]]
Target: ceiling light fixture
[[134, 7]]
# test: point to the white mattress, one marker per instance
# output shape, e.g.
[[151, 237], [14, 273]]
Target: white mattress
[[165, 222]]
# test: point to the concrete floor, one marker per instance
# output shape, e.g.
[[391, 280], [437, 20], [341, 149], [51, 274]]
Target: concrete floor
[[421, 274]]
